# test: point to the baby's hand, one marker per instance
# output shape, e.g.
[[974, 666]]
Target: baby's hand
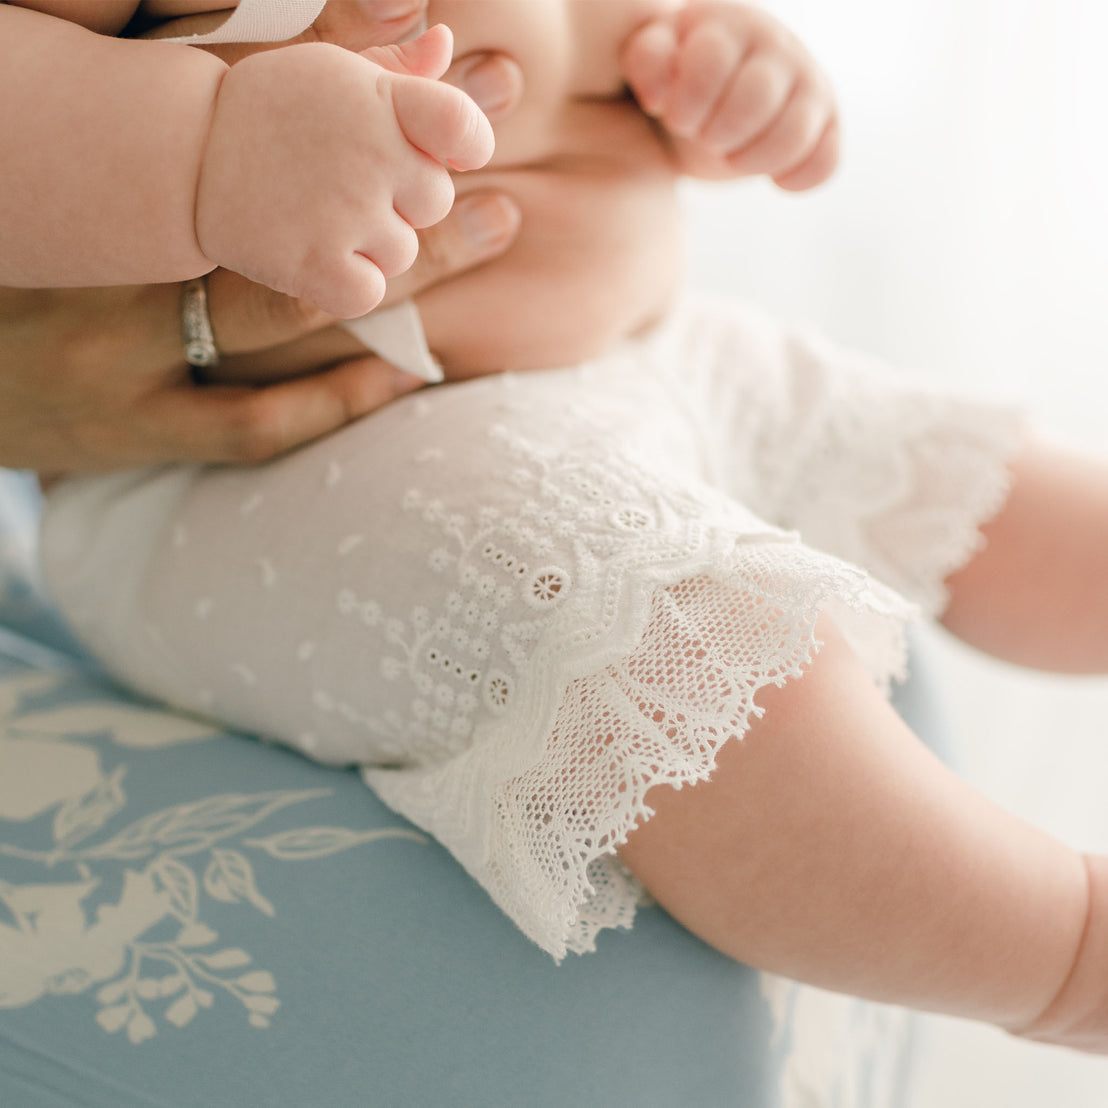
[[321, 163], [738, 93]]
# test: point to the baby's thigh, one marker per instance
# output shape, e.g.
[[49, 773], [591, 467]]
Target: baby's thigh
[[372, 597]]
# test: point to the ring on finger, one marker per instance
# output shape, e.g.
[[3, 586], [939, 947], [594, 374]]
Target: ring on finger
[[197, 336]]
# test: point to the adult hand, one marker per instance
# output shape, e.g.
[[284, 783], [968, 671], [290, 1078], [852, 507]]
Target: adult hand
[[95, 379]]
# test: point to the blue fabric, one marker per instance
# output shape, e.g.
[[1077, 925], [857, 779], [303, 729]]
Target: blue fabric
[[190, 918]]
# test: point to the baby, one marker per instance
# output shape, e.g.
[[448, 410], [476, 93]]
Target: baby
[[307, 168], [533, 606]]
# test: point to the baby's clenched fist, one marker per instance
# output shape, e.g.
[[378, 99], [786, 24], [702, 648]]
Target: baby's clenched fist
[[322, 163], [737, 92]]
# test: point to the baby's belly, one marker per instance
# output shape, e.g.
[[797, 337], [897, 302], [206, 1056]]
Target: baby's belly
[[597, 257]]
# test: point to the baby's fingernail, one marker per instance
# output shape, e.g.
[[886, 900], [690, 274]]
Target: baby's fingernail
[[493, 83], [487, 222]]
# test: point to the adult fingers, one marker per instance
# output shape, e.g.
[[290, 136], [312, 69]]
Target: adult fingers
[[241, 424], [480, 227], [248, 318], [385, 20], [494, 82]]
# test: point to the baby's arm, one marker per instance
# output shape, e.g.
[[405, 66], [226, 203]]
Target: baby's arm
[[305, 168], [737, 92], [103, 139], [321, 164], [107, 17]]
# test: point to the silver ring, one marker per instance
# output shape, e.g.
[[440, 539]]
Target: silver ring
[[201, 351]]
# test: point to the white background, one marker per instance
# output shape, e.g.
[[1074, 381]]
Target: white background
[[965, 237]]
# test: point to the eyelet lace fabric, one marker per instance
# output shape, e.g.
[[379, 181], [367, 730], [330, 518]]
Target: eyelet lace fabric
[[519, 604]]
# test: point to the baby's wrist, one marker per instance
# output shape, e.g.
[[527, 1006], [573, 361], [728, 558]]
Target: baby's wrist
[[1077, 1015], [241, 133]]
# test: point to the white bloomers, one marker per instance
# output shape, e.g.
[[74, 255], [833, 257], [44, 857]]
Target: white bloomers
[[519, 603]]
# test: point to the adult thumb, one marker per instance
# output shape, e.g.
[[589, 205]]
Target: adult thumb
[[248, 317], [426, 56]]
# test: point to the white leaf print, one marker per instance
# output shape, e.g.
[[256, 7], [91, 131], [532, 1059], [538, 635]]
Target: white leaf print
[[140, 1028], [198, 825], [181, 1010], [196, 934], [173, 983], [147, 988], [318, 842], [179, 881], [262, 1003], [112, 1019], [113, 991], [259, 981], [82, 815], [128, 725], [230, 878], [225, 959]]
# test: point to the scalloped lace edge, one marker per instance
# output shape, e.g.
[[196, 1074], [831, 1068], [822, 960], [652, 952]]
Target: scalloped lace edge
[[546, 851]]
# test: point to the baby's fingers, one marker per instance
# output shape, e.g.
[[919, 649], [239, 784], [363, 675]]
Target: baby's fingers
[[817, 166], [351, 287], [426, 56], [754, 99], [790, 139], [649, 65], [442, 122], [707, 58]]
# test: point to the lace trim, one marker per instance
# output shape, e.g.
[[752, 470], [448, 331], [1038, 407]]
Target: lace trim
[[901, 478], [595, 621], [656, 649], [944, 539], [674, 685]]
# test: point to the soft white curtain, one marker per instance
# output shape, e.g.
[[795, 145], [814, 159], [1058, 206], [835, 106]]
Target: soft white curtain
[[966, 238], [967, 230]]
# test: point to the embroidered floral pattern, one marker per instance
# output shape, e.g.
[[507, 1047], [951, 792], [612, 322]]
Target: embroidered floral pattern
[[547, 586]]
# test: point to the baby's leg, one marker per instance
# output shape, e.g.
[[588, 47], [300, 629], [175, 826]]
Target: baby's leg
[[832, 847], [459, 594], [522, 608], [900, 479], [1037, 592], [888, 475]]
